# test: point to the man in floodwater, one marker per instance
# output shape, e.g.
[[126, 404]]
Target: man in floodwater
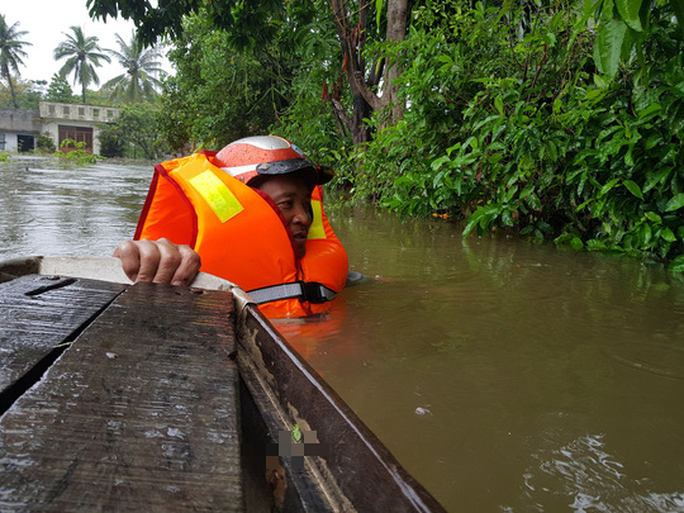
[[245, 214], [162, 261]]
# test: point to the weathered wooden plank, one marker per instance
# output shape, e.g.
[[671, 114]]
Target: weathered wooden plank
[[38, 313], [139, 413]]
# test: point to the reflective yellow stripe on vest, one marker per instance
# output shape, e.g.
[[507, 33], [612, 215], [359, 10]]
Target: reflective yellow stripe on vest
[[220, 198], [317, 230]]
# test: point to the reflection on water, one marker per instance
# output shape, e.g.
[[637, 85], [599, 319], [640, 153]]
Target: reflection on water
[[505, 376]]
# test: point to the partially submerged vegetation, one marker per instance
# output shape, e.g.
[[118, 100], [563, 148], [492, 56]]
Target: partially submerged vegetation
[[517, 130], [73, 152]]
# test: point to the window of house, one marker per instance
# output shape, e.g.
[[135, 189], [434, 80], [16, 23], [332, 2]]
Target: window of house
[[81, 111], [66, 111]]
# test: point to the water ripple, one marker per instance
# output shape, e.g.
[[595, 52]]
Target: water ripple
[[586, 477]]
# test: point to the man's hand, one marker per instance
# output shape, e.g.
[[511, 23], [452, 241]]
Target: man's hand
[[158, 261]]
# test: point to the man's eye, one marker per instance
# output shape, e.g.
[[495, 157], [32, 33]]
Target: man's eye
[[285, 204]]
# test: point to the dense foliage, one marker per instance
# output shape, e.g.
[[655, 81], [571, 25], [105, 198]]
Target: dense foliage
[[231, 85], [220, 94], [135, 134], [27, 94], [511, 127], [261, 25], [59, 90]]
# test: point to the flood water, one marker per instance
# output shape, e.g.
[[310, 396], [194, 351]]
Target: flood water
[[505, 376]]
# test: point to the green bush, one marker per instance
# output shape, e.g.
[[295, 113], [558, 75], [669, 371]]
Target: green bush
[[112, 141], [79, 156], [45, 144], [513, 129]]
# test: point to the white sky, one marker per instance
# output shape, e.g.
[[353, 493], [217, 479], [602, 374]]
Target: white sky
[[47, 21]]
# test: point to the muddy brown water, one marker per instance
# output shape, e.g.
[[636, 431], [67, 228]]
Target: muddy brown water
[[504, 375]]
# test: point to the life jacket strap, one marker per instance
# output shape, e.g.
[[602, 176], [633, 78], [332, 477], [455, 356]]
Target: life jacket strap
[[311, 291]]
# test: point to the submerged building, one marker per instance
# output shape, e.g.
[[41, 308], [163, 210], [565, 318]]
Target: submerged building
[[20, 129]]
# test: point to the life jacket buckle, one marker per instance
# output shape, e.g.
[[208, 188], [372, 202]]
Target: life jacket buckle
[[316, 293]]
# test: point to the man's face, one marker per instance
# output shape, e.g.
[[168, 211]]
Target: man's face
[[292, 194]]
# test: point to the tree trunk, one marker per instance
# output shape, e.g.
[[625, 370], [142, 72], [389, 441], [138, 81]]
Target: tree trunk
[[13, 93], [363, 80], [396, 31], [81, 67], [360, 131], [8, 77]]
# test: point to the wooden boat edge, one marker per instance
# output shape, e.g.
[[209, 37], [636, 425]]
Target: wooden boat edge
[[283, 391]]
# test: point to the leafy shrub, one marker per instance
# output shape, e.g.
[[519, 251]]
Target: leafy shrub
[[514, 130], [79, 156], [112, 141], [45, 143]]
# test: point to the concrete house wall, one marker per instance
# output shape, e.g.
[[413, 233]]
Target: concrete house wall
[[18, 129], [60, 120]]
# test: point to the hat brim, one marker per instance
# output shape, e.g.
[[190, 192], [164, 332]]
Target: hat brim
[[283, 167]]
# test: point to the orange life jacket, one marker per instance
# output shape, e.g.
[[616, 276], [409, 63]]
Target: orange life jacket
[[241, 236]]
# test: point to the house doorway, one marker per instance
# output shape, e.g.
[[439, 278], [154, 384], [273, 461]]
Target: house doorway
[[25, 143]]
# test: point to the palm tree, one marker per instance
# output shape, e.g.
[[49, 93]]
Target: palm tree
[[11, 52], [141, 64], [84, 55]]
